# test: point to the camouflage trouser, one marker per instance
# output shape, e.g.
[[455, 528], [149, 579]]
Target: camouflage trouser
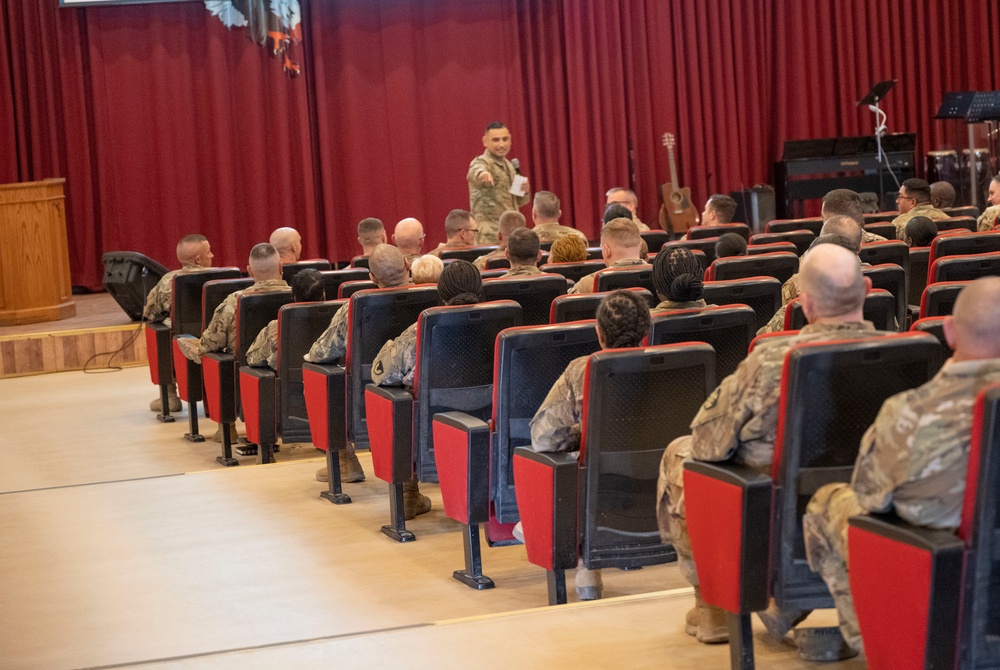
[[488, 232], [670, 515], [825, 529]]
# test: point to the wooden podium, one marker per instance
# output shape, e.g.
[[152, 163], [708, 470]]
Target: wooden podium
[[34, 256]]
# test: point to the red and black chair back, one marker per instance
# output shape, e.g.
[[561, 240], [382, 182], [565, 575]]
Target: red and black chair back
[[880, 217], [945, 581], [613, 279], [474, 458], [890, 251], [534, 294], [595, 253], [745, 523], [883, 228], [812, 224], [916, 276], [602, 506], [332, 279], [762, 294], [349, 288], [967, 210], [214, 292], [964, 244], [770, 248], [939, 299], [800, 238], [583, 306], [289, 270], [470, 254], [655, 239], [779, 265], [879, 308], [892, 278], [729, 330], [360, 262], [574, 271], [934, 325], [705, 245], [956, 223], [497, 263], [700, 232]]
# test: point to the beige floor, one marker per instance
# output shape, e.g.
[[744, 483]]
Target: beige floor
[[121, 543]]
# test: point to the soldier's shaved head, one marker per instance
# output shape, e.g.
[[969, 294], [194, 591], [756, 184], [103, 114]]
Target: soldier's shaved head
[[973, 330], [195, 250], [942, 194], [288, 242], [409, 236], [509, 222], [265, 263], [845, 226], [833, 286], [388, 267]]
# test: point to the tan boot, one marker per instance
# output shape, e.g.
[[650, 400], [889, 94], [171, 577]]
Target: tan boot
[[350, 467], [713, 625], [691, 621], [233, 435], [414, 502], [173, 401], [323, 475], [588, 583], [778, 622]]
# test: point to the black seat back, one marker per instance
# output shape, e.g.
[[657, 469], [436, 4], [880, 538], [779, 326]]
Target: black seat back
[[299, 325], [933, 325], [956, 223], [186, 296], [800, 238], [332, 279], [699, 232], [812, 224], [289, 270], [779, 265], [939, 298], [574, 271], [470, 254], [349, 288], [831, 394], [962, 244], [762, 294], [885, 229], [535, 294], [583, 306], [967, 210], [213, 292], [635, 402], [454, 370], [891, 278], [528, 361], [880, 309], [964, 268], [890, 251], [377, 316], [253, 312], [655, 239], [612, 279], [729, 330], [916, 276]]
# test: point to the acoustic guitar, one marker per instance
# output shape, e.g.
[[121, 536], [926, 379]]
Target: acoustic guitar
[[677, 214]]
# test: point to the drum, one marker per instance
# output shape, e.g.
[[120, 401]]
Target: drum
[[943, 166], [984, 173]]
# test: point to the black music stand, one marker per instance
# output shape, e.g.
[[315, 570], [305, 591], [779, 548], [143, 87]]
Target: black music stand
[[972, 107], [872, 100]]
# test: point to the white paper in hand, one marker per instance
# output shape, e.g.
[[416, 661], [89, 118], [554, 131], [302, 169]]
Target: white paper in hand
[[517, 185]]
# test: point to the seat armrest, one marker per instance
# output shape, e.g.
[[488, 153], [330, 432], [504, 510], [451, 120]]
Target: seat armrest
[[728, 508], [324, 389], [390, 430], [189, 386], [158, 353], [259, 401], [547, 486], [895, 567], [218, 370], [462, 455]]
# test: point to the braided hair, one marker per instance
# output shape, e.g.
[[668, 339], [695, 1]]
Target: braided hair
[[307, 286], [460, 283], [623, 318], [677, 275]]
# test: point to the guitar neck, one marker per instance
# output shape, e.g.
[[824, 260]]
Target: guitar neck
[[673, 168]]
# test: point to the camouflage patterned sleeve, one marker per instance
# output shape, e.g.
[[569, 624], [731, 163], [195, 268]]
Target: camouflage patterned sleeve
[[715, 430], [157, 306], [396, 360], [790, 289], [216, 336], [556, 425], [882, 462], [332, 344], [264, 350], [476, 167], [776, 324], [987, 219]]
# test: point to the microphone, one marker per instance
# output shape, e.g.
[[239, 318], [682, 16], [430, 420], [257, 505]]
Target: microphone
[[517, 165]]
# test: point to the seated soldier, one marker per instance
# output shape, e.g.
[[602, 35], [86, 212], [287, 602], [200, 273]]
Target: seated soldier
[[845, 202], [523, 252], [371, 233], [426, 269], [914, 199], [545, 214], [387, 268], [841, 225], [568, 249], [942, 194], [730, 244], [195, 254], [288, 242], [719, 209], [461, 230], [629, 200], [677, 278], [990, 217], [395, 363], [913, 459], [621, 246], [509, 222], [307, 286], [408, 236], [920, 231], [622, 321], [740, 418]]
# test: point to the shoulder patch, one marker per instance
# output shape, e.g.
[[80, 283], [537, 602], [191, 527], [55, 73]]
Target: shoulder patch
[[712, 400]]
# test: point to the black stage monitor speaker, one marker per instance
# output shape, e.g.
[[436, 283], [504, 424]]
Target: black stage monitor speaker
[[129, 277], [755, 207]]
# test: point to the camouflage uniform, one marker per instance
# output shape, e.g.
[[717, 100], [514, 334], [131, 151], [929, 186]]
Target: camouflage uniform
[[988, 219], [445, 246], [913, 459], [396, 360], [643, 228], [480, 263], [221, 332], [586, 283], [332, 344], [487, 203], [790, 289], [523, 271], [160, 299], [926, 209], [738, 421], [550, 232], [867, 237], [556, 424], [670, 305], [264, 350]]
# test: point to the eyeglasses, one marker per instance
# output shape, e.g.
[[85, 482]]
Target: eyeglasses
[[904, 197]]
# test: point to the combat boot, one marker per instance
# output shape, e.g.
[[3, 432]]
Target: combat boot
[[173, 401], [414, 502], [589, 585], [233, 435], [350, 467], [778, 622], [705, 622]]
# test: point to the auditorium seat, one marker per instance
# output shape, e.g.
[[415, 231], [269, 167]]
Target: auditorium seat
[[700, 232], [574, 271], [880, 217], [349, 288], [583, 306], [474, 457], [880, 309], [727, 329], [939, 298], [800, 238], [655, 239], [763, 294], [534, 293], [771, 247], [890, 251], [454, 372], [332, 279], [497, 263], [636, 276], [891, 278], [945, 582], [813, 224], [956, 223], [964, 244], [964, 268], [745, 525], [779, 265], [601, 507], [935, 326], [886, 230], [916, 276], [470, 254], [289, 270], [359, 262], [967, 211]]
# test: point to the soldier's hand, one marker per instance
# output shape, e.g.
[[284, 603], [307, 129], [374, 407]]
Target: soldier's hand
[[486, 178]]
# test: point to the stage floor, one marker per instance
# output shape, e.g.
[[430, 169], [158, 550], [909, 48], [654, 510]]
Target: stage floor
[[123, 544]]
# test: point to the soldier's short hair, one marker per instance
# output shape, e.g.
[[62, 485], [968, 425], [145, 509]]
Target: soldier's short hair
[[387, 265], [523, 246], [627, 191], [844, 226], [308, 286], [495, 125], [547, 204], [616, 211], [511, 221], [370, 231], [839, 240], [724, 206], [944, 192], [845, 202], [456, 221], [622, 233], [264, 259], [921, 231], [194, 238], [918, 189]]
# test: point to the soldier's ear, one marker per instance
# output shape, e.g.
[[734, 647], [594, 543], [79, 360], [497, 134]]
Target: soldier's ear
[[949, 331]]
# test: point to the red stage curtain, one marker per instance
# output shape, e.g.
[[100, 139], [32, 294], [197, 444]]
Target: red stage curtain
[[164, 123]]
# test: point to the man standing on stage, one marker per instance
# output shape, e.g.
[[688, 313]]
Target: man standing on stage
[[490, 177]]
